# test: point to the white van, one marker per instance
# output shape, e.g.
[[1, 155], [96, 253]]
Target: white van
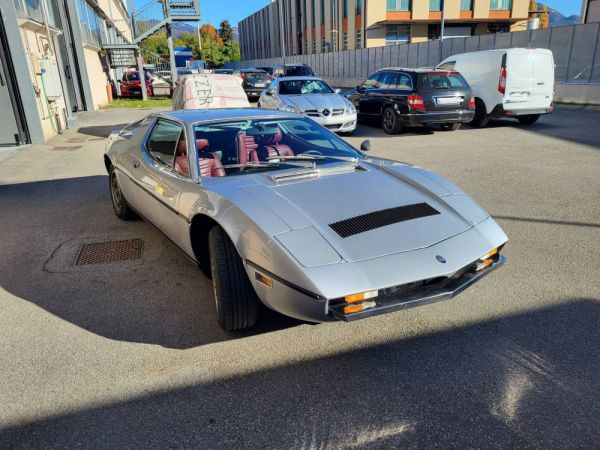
[[512, 82]]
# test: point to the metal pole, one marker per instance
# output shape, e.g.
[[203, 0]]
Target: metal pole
[[140, 64], [171, 55], [281, 29], [443, 19]]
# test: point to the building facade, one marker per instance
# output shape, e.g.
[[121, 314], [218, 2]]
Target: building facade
[[590, 11], [316, 26], [53, 63]]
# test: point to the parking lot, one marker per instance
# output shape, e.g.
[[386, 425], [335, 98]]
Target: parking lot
[[129, 354]]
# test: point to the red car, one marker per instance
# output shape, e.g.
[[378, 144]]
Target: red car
[[130, 85]]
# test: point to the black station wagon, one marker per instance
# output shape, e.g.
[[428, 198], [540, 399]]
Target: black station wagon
[[411, 97]]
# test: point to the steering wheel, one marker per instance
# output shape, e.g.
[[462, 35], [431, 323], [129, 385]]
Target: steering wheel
[[312, 152]]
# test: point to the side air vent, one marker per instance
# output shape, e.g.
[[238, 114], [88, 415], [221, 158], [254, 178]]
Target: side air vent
[[377, 219]]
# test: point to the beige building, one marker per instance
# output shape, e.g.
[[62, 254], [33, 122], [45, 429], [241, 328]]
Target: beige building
[[315, 26]]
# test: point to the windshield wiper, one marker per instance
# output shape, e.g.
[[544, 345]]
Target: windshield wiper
[[309, 157], [266, 164]]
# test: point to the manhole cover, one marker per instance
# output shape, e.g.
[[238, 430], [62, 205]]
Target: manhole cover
[[110, 252]]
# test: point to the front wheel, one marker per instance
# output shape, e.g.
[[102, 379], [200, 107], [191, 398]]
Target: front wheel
[[236, 301], [120, 207], [481, 119], [529, 119], [390, 122], [451, 126]]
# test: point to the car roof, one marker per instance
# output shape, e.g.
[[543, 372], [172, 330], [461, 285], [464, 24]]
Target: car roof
[[256, 69], [408, 69], [297, 78], [205, 115]]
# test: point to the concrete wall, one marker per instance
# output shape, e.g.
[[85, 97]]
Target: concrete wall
[[578, 94], [96, 76]]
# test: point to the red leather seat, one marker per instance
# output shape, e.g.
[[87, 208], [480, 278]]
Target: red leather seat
[[181, 159], [209, 163], [270, 144], [246, 148]]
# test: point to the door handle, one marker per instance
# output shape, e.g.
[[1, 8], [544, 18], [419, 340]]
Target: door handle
[[540, 83], [136, 163]]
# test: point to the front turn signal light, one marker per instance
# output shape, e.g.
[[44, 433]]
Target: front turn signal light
[[263, 279], [358, 308], [361, 296]]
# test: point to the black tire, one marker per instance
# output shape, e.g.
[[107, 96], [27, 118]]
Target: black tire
[[481, 119], [451, 126], [390, 122], [529, 119], [120, 206], [236, 301]]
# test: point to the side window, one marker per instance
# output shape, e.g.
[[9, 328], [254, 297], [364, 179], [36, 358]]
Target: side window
[[402, 82], [372, 82], [449, 65], [163, 141], [387, 80]]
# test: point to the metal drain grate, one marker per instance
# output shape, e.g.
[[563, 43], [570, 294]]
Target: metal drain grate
[[110, 252]]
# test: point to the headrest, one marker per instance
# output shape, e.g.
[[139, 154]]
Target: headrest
[[182, 147], [202, 145]]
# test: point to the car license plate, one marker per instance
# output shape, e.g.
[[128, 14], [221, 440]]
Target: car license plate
[[448, 100], [260, 85]]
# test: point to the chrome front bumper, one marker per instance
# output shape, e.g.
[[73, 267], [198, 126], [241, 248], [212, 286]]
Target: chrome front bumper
[[424, 296]]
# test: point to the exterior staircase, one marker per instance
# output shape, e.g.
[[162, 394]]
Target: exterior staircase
[[145, 21]]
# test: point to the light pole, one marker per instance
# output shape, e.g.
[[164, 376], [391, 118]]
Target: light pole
[[443, 19]]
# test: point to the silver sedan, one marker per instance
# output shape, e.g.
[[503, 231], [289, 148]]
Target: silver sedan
[[279, 210], [313, 97]]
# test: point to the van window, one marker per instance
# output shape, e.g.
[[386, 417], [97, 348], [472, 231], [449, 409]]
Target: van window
[[449, 65]]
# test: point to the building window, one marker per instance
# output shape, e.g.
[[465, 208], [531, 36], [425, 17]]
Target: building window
[[498, 27], [314, 46], [500, 4], [344, 8], [322, 12], [466, 5], [358, 43], [312, 12], [90, 23], [435, 5], [345, 40], [398, 5], [397, 34], [359, 7]]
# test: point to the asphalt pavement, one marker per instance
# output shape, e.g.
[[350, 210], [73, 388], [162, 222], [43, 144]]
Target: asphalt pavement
[[129, 354]]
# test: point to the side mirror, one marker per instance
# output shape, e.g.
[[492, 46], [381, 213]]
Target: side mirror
[[365, 146], [359, 88], [270, 91], [338, 91]]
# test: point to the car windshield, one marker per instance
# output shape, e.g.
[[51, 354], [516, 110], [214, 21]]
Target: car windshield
[[259, 76], [298, 87], [269, 70], [133, 76], [298, 71], [442, 80], [246, 146]]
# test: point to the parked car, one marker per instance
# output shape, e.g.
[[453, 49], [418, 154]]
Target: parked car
[[267, 69], [313, 97], [254, 81], [281, 210], [293, 70], [224, 71], [515, 82], [412, 97], [131, 85], [209, 91], [165, 75]]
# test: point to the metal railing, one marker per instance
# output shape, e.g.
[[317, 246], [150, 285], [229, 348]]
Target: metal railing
[[151, 16]]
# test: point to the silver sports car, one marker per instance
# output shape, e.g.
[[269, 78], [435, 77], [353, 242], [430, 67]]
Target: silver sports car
[[278, 209], [313, 97]]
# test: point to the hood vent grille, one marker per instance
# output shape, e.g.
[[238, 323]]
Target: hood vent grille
[[378, 219]]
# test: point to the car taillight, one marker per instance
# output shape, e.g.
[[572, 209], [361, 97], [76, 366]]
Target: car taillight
[[416, 101], [502, 81], [472, 102], [243, 76]]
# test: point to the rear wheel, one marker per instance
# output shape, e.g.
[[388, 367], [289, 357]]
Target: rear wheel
[[390, 122], [481, 118], [451, 126], [120, 206], [529, 119], [236, 301]]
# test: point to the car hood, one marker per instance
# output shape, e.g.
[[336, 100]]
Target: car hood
[[318, 203], [315, 101]]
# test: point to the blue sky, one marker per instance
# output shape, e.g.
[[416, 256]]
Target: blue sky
[[213, 11]]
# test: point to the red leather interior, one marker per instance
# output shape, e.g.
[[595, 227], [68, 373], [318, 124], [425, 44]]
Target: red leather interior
[[209, 163], [246, 148], [270, 144]]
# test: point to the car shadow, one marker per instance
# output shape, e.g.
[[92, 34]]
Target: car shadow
[[526, 380], [372, 130], [101, 130], [161, 298]]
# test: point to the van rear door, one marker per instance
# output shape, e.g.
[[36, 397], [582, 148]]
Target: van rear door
[[519, 79], [543, 77]]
